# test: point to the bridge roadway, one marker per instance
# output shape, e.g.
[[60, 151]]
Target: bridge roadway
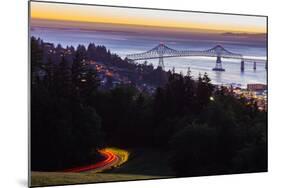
[[162, 51]]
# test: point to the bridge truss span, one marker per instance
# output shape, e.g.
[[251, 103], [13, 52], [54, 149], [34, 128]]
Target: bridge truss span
[[162, 51]]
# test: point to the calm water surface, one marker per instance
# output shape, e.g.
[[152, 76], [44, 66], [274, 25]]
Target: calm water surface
[[123, 44]]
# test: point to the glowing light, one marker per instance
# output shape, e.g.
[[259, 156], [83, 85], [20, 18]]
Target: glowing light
[[114, 157], [212, 98]]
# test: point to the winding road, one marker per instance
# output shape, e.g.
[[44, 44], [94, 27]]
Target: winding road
[[111, 159]]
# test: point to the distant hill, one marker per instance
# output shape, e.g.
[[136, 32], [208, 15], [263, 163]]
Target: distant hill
[[260, 35]]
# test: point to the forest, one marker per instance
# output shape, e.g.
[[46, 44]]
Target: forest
[[204, 128]]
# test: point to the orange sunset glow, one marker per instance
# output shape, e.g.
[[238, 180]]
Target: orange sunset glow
[[128, 16]]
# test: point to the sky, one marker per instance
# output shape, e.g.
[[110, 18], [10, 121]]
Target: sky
[[77, 14]]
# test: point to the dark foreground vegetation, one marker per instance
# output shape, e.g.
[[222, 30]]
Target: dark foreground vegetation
[[205, 130]]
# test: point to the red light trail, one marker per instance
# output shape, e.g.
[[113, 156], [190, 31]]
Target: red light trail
[[110, 160]]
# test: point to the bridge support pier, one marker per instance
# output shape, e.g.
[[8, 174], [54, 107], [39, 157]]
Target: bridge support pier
[[242, 67], [218, 66], [255, 65], [161, 62]]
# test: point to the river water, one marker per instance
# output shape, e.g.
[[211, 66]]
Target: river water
[[123, 44]]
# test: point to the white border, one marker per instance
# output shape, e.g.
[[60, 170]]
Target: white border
[[14, 87]]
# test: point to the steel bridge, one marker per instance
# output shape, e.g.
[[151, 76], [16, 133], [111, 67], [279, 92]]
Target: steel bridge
[[162, 51]]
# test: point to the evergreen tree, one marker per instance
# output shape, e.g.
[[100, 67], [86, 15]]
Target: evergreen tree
[[36, 58], [77, 65], [204, 91], [91, 51], [64, 78]]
